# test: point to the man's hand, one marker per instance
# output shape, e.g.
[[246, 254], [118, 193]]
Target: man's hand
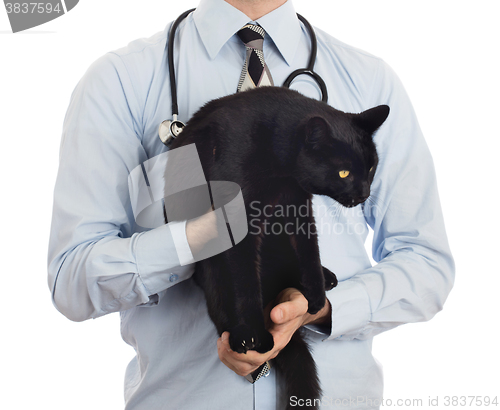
[[289, 314]]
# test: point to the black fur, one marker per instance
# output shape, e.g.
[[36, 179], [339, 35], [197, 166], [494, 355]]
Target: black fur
[[280, 148]]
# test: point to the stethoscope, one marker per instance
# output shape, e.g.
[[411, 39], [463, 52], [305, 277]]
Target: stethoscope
[[170, 129]]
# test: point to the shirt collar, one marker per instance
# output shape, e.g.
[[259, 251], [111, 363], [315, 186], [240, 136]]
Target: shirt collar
[[217, 21], [283, 26]]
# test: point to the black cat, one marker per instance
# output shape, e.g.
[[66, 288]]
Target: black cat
[[280, 148]]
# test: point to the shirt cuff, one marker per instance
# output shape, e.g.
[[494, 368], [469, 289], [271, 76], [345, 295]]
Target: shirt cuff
[[178, 231], [158, 261], [324, 330], [351, 311]]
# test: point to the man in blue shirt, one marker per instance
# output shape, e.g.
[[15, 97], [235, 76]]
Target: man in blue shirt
[[101, 261]]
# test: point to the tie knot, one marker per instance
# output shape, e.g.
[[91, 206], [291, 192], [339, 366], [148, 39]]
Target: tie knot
[[253, 36]]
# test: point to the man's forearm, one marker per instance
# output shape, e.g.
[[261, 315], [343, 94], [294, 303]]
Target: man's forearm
[[201, 230]]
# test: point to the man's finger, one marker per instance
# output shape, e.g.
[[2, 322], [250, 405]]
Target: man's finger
[[286, 311]]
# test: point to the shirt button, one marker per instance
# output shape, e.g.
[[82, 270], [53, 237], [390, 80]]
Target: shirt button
[[173, 278]]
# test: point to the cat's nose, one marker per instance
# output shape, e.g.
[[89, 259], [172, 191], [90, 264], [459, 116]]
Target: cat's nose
[[358, 200]]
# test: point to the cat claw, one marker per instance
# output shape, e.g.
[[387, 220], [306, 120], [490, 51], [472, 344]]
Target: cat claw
[[243, 338], [251, 344]]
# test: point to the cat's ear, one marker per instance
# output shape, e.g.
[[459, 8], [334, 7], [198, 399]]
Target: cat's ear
[[316, 131], [370, 120]]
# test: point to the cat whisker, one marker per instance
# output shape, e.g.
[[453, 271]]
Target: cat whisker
[[377, 200], [335, 210], [377, 204]]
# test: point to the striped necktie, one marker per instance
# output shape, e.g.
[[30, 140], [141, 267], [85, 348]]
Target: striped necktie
[[255, 72]]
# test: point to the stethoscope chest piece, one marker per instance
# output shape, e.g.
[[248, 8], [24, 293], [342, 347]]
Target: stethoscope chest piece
[[170, 130]]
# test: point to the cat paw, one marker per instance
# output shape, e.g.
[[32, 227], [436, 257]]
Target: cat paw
[[266, 342], [330, 279], [316, 300], [315, 306], [243, 338]]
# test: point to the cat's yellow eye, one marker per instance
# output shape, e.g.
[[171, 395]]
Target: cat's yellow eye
[[371, 169], [343, 174]]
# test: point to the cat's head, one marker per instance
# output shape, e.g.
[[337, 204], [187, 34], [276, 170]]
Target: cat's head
[[338, 157]]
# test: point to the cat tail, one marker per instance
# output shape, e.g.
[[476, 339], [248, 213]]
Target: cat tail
[[296, 370]]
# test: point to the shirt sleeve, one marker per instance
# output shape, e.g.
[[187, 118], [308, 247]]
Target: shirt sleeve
[[415, 269], [97, 262]]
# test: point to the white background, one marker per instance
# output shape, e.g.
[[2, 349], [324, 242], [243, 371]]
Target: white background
[[446, 53]]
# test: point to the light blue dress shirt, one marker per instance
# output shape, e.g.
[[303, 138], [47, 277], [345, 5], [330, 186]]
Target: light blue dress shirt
[[101, 262]]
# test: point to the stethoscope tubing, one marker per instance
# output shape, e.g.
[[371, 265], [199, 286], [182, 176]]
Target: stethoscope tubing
[[171, 38], [171, 129], [310, 65]]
